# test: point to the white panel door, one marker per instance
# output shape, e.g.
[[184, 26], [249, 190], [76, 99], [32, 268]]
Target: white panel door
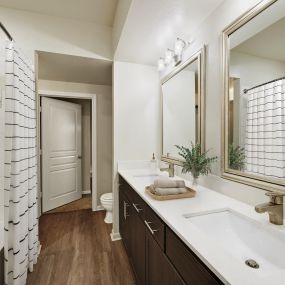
[[61, 153]]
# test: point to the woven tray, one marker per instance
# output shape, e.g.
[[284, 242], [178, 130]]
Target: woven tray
[[190, 194]]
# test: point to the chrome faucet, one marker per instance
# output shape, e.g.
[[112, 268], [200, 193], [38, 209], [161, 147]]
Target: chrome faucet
[[274, 208], [169, 169]]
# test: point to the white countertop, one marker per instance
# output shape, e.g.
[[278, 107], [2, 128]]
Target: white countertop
[[225, 266]]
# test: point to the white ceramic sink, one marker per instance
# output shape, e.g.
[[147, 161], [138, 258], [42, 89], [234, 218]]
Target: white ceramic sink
[[148, 179], [243, 238]]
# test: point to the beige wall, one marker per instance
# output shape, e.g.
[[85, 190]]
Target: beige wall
[[34, 31], [104, 126], [119, 21]]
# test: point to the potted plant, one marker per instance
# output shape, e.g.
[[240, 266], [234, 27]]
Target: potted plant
[[236, 157], [196, 161]]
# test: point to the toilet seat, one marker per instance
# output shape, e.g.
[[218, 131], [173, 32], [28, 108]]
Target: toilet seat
[[106, 202], [107, 197]]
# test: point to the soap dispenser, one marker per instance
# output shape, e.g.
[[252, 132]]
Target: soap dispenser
[[153, 164]]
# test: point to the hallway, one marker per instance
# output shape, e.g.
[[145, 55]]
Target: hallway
[[77, 249]]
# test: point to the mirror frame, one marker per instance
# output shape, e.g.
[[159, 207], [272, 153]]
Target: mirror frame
[[227, 173], [200, 57]]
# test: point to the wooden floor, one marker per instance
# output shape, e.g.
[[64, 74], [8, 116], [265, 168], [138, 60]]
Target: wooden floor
[[76, 249], [84, 203]]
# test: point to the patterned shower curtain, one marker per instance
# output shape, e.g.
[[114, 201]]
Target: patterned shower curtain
[[265, 130], [20, 195]]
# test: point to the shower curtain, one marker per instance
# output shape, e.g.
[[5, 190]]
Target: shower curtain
[[265, 130], [20, 195]]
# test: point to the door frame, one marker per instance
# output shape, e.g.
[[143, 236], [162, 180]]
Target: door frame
[[74, 95]]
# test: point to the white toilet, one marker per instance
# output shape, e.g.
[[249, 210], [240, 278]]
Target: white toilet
[[107, 203]]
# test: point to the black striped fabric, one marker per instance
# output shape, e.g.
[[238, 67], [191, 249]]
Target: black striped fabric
[[20, 170], [265, 130]]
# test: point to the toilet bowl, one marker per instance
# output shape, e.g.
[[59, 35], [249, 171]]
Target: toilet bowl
[[107, 203]]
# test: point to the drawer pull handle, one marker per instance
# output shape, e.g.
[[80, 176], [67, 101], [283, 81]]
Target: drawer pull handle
[[149, 227], [136, 207], [125, 210]]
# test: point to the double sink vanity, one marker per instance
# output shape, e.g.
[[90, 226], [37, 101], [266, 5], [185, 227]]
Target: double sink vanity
[[208, 239]]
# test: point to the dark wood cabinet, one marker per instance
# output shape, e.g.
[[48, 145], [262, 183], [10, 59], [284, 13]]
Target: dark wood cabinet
[[189, 266], [125, 221], [138, 248], [157, 255], [158, 268], [132, 231]]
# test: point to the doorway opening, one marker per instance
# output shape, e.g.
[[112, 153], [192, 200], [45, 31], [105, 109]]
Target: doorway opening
[[79, 184], [68, 151], [71, 78]]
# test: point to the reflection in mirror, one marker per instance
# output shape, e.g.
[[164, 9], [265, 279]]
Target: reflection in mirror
[[256, 100], [180, 97]]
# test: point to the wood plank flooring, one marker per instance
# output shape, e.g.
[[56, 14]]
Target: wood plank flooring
[[77, 249], [84, 203]]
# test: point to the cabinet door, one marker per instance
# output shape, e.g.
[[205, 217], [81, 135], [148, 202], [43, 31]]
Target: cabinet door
[[189, 266], [158, 268], [125, 221], [138, 247]]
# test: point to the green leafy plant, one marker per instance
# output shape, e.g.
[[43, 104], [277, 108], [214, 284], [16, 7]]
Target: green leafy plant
[[236, 157], [196, 161]]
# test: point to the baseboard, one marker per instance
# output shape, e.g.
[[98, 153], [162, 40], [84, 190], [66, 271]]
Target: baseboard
[[85, 192], [39, 249], [115, 236]]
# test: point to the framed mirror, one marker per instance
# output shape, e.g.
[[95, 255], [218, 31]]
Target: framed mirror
[[254, 97], [183, 107]]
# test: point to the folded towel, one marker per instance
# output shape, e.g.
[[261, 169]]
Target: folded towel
[[167, 183], [167, 191]]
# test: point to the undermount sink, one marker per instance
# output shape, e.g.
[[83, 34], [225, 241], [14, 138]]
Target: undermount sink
[[256, 245], [148, 178]]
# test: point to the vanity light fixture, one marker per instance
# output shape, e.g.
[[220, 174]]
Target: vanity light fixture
[[174, 55], [160, 64], [168, 56], [178, 50]]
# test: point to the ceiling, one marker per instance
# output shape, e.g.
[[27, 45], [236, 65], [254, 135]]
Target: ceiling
[[61, 67], [268, 43], [101, 12], [152, 26]]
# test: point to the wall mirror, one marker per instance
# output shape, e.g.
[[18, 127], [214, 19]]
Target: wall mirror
[[183, 107], [254, 101]]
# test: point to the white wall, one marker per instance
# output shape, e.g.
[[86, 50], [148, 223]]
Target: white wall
[[254, 70], [104, 126], [136, 117], [34, 31], [135, 89], [209, 34]]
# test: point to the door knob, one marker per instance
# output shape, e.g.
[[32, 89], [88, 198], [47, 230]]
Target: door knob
[[79, 156]]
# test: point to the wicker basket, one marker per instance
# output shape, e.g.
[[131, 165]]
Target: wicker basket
[[190, 194]]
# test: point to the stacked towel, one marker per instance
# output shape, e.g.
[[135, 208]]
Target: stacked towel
[[168, 187], [167, 183]]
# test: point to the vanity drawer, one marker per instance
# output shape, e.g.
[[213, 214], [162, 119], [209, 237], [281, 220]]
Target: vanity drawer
[[125, 187], [189, 266], [138, 204], [155, 226]]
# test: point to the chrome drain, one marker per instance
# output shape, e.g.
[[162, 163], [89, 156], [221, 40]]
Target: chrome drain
[[252, 263]]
